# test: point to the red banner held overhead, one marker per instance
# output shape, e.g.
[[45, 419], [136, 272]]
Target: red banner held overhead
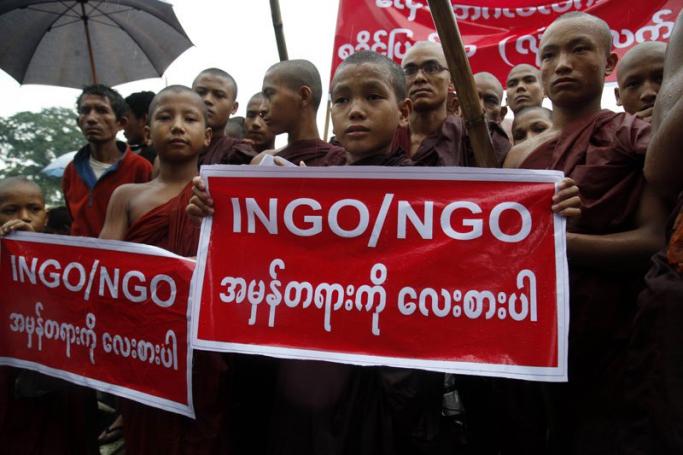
[[446, 269], [104, 314], [498, 34]]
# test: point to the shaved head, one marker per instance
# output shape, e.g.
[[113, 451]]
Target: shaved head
[[14, 184], [640, 53], [218, 73], [393, 71], [489, 79], [178, 89], [426, 46], [297, 73], [598, 26], [524, 68]]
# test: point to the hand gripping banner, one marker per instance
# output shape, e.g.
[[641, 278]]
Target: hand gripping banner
[[105, 314], [446, 269]]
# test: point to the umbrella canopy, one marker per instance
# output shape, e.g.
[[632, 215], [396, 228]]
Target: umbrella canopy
[[57, 166], [74, 43]]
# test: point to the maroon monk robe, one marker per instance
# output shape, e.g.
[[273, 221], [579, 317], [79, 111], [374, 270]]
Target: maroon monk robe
[[41, 415], [326, 408], [450, 146], [654, 381], [149, 430], [227, 150], [604, 154], [313, 152]]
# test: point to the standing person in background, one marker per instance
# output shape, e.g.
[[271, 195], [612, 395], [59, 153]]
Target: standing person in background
[[639, 78], [257, 130], [136, 121]]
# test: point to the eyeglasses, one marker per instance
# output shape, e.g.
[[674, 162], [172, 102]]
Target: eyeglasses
[[429, 68]]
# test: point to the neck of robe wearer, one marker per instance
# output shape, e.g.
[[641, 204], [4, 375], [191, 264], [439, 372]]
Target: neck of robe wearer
[[381, 152], [105, 152], [426, 123], [563, 116], [305, 129], [177, 172], [217, 133]]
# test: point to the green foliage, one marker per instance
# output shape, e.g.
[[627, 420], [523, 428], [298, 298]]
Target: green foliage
[[29, 141]]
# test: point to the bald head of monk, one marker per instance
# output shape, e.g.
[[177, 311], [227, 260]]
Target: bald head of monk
[[639, 77], [293, 90], [531, 122], [523, 87], [427, 77], [256, 129], [576, 56], [490, 92], [22, 200], [218, 90]]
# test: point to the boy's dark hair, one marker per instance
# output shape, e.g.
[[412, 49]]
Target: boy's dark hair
[[396, 75], [58, 221], [176, 89], [138, 103], [118, 104], [219, 73]]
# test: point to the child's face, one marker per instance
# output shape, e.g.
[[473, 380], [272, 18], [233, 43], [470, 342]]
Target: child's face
[[283, 105], [365, 111], [219, 96], [177, 127], [529, 124], [23, 202]]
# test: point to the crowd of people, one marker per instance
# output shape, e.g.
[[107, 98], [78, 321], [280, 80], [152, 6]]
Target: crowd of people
[[623, 177]]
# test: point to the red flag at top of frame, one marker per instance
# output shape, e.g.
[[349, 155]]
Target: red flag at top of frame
[[498, 34]]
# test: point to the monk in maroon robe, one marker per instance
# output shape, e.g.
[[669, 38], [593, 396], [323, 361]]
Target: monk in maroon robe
[[608, 246], [218, 90], [154, 213]]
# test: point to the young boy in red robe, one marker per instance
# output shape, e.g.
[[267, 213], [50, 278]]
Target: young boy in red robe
[[39, 414], [609, 245], [293, 91], [218, 90], [154, 213], [639, 77]]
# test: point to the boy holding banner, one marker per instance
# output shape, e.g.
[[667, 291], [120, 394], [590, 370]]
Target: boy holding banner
[[609, 245], [154, 213], [39, 414]]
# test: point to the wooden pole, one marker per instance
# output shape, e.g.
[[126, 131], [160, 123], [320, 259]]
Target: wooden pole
[[461, 74], [279, 33], [87, 40]]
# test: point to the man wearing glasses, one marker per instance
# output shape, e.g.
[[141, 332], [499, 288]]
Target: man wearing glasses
[[435, 137]]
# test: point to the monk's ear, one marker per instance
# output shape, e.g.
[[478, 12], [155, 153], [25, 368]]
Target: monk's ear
[[503, 113], [306, 95], [148, 131], [405, 107], [235, 105], [617, 95], [207, 136], [612, 61]]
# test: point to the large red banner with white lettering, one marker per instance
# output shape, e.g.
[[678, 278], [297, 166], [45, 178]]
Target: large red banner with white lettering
[[104, 314], [445, 269], [498, 34]]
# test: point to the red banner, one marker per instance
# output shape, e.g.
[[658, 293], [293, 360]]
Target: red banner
[[446, 269], [498, 34], [104, 314]]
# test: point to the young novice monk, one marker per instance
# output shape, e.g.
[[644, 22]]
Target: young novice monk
[[39, 414], [257, 130], [154, 213], [218, 90], [609, 245], [530, 122], [490, 92], [293, 91], [639, 76]]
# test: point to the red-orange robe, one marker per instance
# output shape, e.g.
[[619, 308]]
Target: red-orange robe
[[313, 152], [604, 154], [149, 430], [450, 146], [226, 150]]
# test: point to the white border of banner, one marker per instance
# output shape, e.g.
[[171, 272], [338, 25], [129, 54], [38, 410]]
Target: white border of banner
[[548, 374], [125, 247]]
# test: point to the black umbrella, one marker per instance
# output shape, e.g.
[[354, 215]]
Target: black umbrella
[[72, 43]]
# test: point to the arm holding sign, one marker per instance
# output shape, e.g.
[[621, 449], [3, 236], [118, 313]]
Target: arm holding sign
[[117, 220]]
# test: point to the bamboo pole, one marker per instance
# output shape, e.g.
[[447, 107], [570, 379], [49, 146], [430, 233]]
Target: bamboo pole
[[461, 74], [279, 32]]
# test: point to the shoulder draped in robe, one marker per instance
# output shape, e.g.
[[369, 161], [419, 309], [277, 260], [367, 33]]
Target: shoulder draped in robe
[[604, 154], [226, 150], [313, 152], [149, 430]]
